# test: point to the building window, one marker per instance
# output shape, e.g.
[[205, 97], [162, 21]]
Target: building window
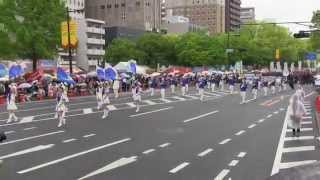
[[116, 5], [138, 3], [109, 6], [123, 4], [102, 7]]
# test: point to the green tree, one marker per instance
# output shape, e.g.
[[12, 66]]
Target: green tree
[[315, 36], [123, 50], [36, 27]]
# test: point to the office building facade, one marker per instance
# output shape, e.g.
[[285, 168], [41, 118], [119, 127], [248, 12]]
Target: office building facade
[[232, 15], [247, 14]]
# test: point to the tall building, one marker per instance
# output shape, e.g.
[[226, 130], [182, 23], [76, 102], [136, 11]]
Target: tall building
[[232, 14], [76, 5], [91, 39], [137, 14], [200, 12], [247, 14]]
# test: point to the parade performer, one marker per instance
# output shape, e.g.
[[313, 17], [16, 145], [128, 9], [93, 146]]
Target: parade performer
[[298, 111], [99, 92], [213, 83], [231, 82], [255, 88], [11, 103], [202, 84], [61, 107], [116, 86], [265, 87], [183, 83], [153, 86], [136, 94], [105, 101], [173, 84], [273, 86], [243, 91], [163, 86]]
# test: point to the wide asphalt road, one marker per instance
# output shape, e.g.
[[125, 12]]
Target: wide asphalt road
[[179, 138]]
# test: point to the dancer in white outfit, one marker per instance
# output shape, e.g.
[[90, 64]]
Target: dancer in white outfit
[[105, 101], [11, 103], [61, 106], [136, 94], [99, 92]]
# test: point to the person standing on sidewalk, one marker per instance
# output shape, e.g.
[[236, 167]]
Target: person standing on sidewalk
[[298, 111], [11, 102]]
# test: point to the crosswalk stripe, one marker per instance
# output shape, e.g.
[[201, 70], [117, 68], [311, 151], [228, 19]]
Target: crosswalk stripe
[[192, 97], [295, 164], [306, 122], [27, 119], [149, 102], [111, 107], [299, 138], [298, 149], [213, 94], [302, 129], [87, 111], [166, 100], [131, 104], [179, 98]]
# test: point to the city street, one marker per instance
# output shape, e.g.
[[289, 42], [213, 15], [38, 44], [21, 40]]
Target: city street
[[179, 138]]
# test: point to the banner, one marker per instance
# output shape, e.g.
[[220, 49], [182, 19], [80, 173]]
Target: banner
[[3, 71], [15, 71], [73, 34], [63, 76], [110, 73], [100, 73]]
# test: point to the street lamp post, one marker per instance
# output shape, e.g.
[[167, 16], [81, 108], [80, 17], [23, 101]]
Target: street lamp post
[[69, 38]]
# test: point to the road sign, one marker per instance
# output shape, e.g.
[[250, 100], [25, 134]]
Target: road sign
[[310, 56]]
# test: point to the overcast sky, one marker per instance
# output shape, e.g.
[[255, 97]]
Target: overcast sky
[[284, 10]]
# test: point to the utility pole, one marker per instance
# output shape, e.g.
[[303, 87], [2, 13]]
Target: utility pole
[[69, 42]]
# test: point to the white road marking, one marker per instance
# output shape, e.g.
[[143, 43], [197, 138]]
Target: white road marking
[[225, 141], [307, 117], [233, 163], [269, 116], [27, 119], [240, 132], [30, 128], [242, 154], [298, 149], [68, 140], [274, 102], [192, 97], [261, 120], [179, 98], [26, 151], [72, 156], [158, 110], [276, 112], [166, 100], [301, 129], [222, 174], [213, 94], [252, 126], [201, 116], [206, 152], [309, 94], [178, 168], [306, 122], [307, 113], [277, 159], [111, 166], [87, 111], [164, 145], [131, 104], [9, 132], [299, 138], [250, 100], [32, 137], [295, 164], [282, 109], [111, 107], [148, 151], [89, 135], [149, 102]]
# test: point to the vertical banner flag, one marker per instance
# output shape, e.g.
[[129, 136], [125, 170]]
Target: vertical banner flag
[[300, 65], [277, 54], [63, 76], [73, 34], [271, 67], [279, 67], [100, 73], [292, 67]]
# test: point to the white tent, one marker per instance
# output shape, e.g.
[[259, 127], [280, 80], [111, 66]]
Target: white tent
[[124, 67]]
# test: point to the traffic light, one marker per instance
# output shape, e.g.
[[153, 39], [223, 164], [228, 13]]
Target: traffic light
[[302, 34]]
